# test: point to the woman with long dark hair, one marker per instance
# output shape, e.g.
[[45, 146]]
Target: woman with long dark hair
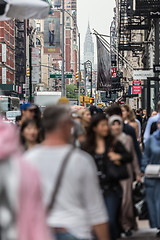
[[30, 134], [107, 151]]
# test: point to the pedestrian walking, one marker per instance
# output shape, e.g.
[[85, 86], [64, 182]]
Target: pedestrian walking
[[85, 116], [115, 109], [22, 215], [70, 186], [107, 151], [129, 118], [151, 120], [127, 218], [77, 131], [27, 112], [30, 134], [152, 184]]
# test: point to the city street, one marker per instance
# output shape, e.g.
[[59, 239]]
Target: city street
[[79, 119]]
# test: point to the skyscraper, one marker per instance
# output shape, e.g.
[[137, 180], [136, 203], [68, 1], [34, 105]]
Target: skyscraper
[[89, 46]]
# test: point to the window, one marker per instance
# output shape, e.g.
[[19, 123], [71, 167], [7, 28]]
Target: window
[[11, 40], [6, 36], [11, 57], [11, 22], [38, 25], [38, 42]]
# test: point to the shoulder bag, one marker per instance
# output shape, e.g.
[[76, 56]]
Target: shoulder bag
[[59, 180], [152, 171]]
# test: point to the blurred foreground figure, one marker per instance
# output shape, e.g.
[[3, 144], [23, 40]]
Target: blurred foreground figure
[[76, 208], [21, 212]]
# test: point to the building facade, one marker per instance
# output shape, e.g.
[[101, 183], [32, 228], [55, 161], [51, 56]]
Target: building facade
[[7, 52]]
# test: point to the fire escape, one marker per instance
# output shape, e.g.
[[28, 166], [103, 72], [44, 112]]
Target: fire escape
[[20, 63], [129, 22]]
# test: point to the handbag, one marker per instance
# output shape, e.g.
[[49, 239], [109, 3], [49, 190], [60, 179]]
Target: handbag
[[140, 205], [116, 172], [152, 171]]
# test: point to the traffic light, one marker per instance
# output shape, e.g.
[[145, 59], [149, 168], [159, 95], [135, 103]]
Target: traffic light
[[91, 100], [77, 76], [81, 99], [28, 72]]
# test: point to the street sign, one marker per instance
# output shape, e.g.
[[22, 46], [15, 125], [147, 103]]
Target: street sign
[[136, 87], [76, 90], [114, 72], [156, 68], [60, 76], [25, 85], [68, 75], [142, 74]]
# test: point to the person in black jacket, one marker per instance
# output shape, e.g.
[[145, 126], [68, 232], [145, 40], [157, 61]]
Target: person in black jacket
[[105, 149]]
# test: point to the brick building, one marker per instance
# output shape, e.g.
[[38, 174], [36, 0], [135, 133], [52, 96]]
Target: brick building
[[7, 52], [71, 38]]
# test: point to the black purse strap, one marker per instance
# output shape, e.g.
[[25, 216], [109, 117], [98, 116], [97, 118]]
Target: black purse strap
[[59, 180]]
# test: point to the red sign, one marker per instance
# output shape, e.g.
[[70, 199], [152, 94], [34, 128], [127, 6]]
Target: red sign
[[136, 87], [114, 72]]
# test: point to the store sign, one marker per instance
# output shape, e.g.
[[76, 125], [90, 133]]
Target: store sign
[[114, 72], [4, 75], [35, 57], [156, 68], [35, 65], [4, 51], [136, 89], [142, 74]]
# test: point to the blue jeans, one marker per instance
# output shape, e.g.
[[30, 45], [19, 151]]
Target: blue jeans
[[113, 203], [153, 201], [66, 236]]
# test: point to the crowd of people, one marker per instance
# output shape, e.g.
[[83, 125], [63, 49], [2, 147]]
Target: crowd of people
[[68, 174]]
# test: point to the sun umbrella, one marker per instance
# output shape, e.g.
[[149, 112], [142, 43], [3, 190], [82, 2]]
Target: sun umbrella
[[23, 9]]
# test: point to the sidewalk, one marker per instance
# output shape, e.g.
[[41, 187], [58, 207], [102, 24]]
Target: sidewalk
[[144, 232]]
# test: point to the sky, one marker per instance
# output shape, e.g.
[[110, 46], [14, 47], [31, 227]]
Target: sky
[[99, 13]]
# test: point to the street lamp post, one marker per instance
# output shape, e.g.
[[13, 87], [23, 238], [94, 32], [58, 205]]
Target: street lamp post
[[79, 81], [63, 60], [85, 84]]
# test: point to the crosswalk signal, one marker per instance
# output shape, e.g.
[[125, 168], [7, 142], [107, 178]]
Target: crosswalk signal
[[28, 72]]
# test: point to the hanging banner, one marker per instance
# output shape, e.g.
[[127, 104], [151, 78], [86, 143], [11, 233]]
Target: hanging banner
[[104, 80]]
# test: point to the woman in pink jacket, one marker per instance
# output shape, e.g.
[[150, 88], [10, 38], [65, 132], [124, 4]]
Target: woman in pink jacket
[[22, 216]]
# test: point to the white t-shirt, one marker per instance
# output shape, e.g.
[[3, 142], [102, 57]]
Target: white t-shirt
[[79, 203]]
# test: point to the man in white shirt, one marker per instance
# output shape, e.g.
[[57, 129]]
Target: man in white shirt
[[79, 209]]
